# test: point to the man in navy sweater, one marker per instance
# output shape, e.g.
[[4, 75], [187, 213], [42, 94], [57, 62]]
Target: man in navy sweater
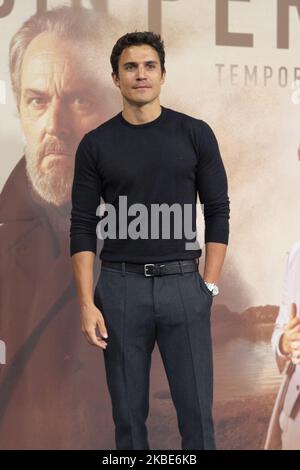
[[152, 161]]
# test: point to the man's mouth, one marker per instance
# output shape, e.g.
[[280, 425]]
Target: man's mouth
[[58, 154]]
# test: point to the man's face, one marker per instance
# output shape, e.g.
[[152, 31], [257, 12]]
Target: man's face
[[140, 77], [60, 101]]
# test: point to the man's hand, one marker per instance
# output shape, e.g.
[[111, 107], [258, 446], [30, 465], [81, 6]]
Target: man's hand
[[290, 340], [91, 317]]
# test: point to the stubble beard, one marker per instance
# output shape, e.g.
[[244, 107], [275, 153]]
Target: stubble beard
[[52, 184]]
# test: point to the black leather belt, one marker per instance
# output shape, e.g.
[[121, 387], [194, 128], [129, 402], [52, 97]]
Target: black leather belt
[[155, 269]]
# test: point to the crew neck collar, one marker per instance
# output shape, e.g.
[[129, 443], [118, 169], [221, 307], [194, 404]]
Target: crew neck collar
[[146, 124]]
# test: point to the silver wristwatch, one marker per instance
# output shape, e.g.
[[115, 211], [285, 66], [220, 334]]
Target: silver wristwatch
[[212, 287]]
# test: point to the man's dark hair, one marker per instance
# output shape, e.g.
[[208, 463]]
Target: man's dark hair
[[137, 39]]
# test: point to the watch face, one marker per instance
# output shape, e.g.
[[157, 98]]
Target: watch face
[[215, 290]]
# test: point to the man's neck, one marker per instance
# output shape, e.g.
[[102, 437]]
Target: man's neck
[[141, 114]]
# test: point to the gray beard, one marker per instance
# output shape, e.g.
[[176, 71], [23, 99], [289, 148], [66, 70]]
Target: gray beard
[[54, 185]]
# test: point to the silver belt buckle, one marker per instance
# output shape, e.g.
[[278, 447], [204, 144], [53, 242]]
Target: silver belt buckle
[[145, 269]]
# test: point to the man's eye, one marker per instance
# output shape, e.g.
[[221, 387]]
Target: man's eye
[[151, 66], [81, 101], [128, 67], [36, 101]]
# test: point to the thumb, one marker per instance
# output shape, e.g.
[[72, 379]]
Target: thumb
[[102, 328], [293, 312]]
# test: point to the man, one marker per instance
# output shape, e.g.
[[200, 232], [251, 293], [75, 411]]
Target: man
[[283, 430], [60, 95], [149, 288], [284, 424]]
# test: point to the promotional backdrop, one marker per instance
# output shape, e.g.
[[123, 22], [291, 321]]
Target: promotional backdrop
[[234, 64]]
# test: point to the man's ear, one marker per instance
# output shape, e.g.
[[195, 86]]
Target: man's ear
[[115, 79], [163, 77]]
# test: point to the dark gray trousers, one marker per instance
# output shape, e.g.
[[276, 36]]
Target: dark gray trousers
[[175, 311]]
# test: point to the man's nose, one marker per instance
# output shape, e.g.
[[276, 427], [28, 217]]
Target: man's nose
[[141, 72], [57, 119]]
